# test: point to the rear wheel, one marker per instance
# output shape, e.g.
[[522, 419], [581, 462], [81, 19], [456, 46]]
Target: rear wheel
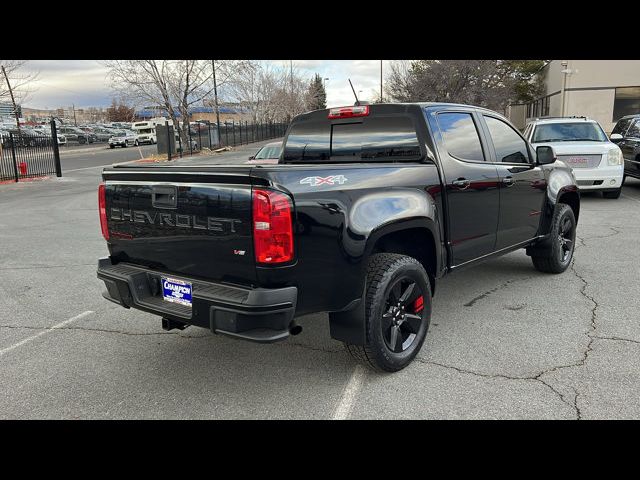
[[397, 312], [555, 254], [612, 193]]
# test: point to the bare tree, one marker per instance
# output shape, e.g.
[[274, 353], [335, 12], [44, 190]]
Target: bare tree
[[16, 85], [269, 93], [173, 85]]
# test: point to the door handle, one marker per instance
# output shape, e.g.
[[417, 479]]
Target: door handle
[[461, 183], [508, 181]]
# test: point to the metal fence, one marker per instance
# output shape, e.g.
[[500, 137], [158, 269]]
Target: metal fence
[[27, 155], [231, 134]]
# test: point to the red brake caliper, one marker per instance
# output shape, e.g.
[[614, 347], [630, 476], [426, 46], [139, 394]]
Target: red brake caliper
[[418, 304]]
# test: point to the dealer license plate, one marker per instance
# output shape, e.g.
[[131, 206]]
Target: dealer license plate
[[176, 291]]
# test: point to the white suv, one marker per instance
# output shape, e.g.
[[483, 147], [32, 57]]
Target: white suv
[[580, 142]]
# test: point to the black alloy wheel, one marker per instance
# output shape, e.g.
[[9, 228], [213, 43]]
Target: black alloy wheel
[[402, 320], [566, 237]]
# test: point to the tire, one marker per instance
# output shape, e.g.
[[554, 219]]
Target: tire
[[389, 278], [612, 193], [124, 144], [112, 146], [136, 143], [554, 255]]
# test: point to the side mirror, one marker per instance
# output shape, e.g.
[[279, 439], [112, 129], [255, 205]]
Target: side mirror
[[252, 157], [615, 137], [545, 155]]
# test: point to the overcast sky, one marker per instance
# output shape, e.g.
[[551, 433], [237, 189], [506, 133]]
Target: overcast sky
[[83, 82]]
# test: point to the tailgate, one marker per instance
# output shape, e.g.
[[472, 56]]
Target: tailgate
[[198, 225]]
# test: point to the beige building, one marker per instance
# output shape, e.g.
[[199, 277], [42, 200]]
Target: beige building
[[604, 90]]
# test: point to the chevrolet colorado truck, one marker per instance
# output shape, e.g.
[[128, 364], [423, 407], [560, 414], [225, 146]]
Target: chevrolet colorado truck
[[367, 208]]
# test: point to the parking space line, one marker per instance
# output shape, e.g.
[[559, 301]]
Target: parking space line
[[55, 327], [349, 394]]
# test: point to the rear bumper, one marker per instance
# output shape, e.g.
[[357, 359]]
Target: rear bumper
[[257, 314], [602, 178]]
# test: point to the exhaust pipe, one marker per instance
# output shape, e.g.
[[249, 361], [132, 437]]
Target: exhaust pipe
[[294, 328]]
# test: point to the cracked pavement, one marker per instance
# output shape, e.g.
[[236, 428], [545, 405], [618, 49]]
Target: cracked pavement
[[505, 342]]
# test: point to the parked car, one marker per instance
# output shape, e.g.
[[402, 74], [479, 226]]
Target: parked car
[[582, 144], [369, 208], [73, 134], [124, 139], [28, 137], [626, 134], [103, 134], [269, 153], [91, 136]]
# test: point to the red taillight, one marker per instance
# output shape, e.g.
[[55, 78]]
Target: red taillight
[[102, 207], [349, 112], [272, 227]]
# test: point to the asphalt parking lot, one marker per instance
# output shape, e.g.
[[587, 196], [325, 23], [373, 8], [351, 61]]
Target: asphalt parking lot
[[505, 342]]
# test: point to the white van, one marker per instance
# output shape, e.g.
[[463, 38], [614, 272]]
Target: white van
[[146, 132]]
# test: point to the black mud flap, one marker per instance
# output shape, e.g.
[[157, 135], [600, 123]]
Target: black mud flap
[[349, 325]]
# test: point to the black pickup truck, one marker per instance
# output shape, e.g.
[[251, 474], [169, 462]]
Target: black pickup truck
[[367, 208]]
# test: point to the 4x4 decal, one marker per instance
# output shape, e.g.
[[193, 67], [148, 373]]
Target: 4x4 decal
[[330, 180]]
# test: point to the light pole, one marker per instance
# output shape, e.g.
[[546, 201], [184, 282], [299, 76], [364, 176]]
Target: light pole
[[215, 99], [566, 71], [380, 81]]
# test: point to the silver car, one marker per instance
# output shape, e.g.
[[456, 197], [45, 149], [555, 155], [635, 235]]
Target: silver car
[[124, 138]]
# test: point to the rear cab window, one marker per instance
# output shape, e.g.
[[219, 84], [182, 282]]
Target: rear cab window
[[373, 138]]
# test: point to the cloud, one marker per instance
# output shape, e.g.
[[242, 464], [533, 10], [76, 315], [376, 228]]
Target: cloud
[[84, 83]]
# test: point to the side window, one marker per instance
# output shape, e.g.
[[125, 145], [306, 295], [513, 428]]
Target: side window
[[509, 146], [461, 136], [634, 131], [621, 126]]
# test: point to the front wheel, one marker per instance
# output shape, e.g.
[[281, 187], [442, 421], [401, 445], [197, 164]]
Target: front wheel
[[555, 254], [397, 312], [136, 143]]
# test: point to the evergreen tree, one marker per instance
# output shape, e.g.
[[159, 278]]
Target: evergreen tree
[[316, 94]]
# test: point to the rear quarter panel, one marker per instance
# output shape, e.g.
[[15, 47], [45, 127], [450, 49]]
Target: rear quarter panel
[[340, 210]]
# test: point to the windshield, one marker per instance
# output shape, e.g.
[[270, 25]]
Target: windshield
[[269, 152], [568, 132]]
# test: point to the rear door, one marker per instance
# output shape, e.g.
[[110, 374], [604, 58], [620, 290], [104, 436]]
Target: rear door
[[471, 185], [522, 183]]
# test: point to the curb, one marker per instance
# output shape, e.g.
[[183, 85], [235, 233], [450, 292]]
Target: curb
[[23, 180]]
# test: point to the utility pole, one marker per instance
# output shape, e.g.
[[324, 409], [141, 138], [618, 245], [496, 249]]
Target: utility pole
[[380, 81], [215, 99], [13, 100], [73, 105], [564, 70]]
